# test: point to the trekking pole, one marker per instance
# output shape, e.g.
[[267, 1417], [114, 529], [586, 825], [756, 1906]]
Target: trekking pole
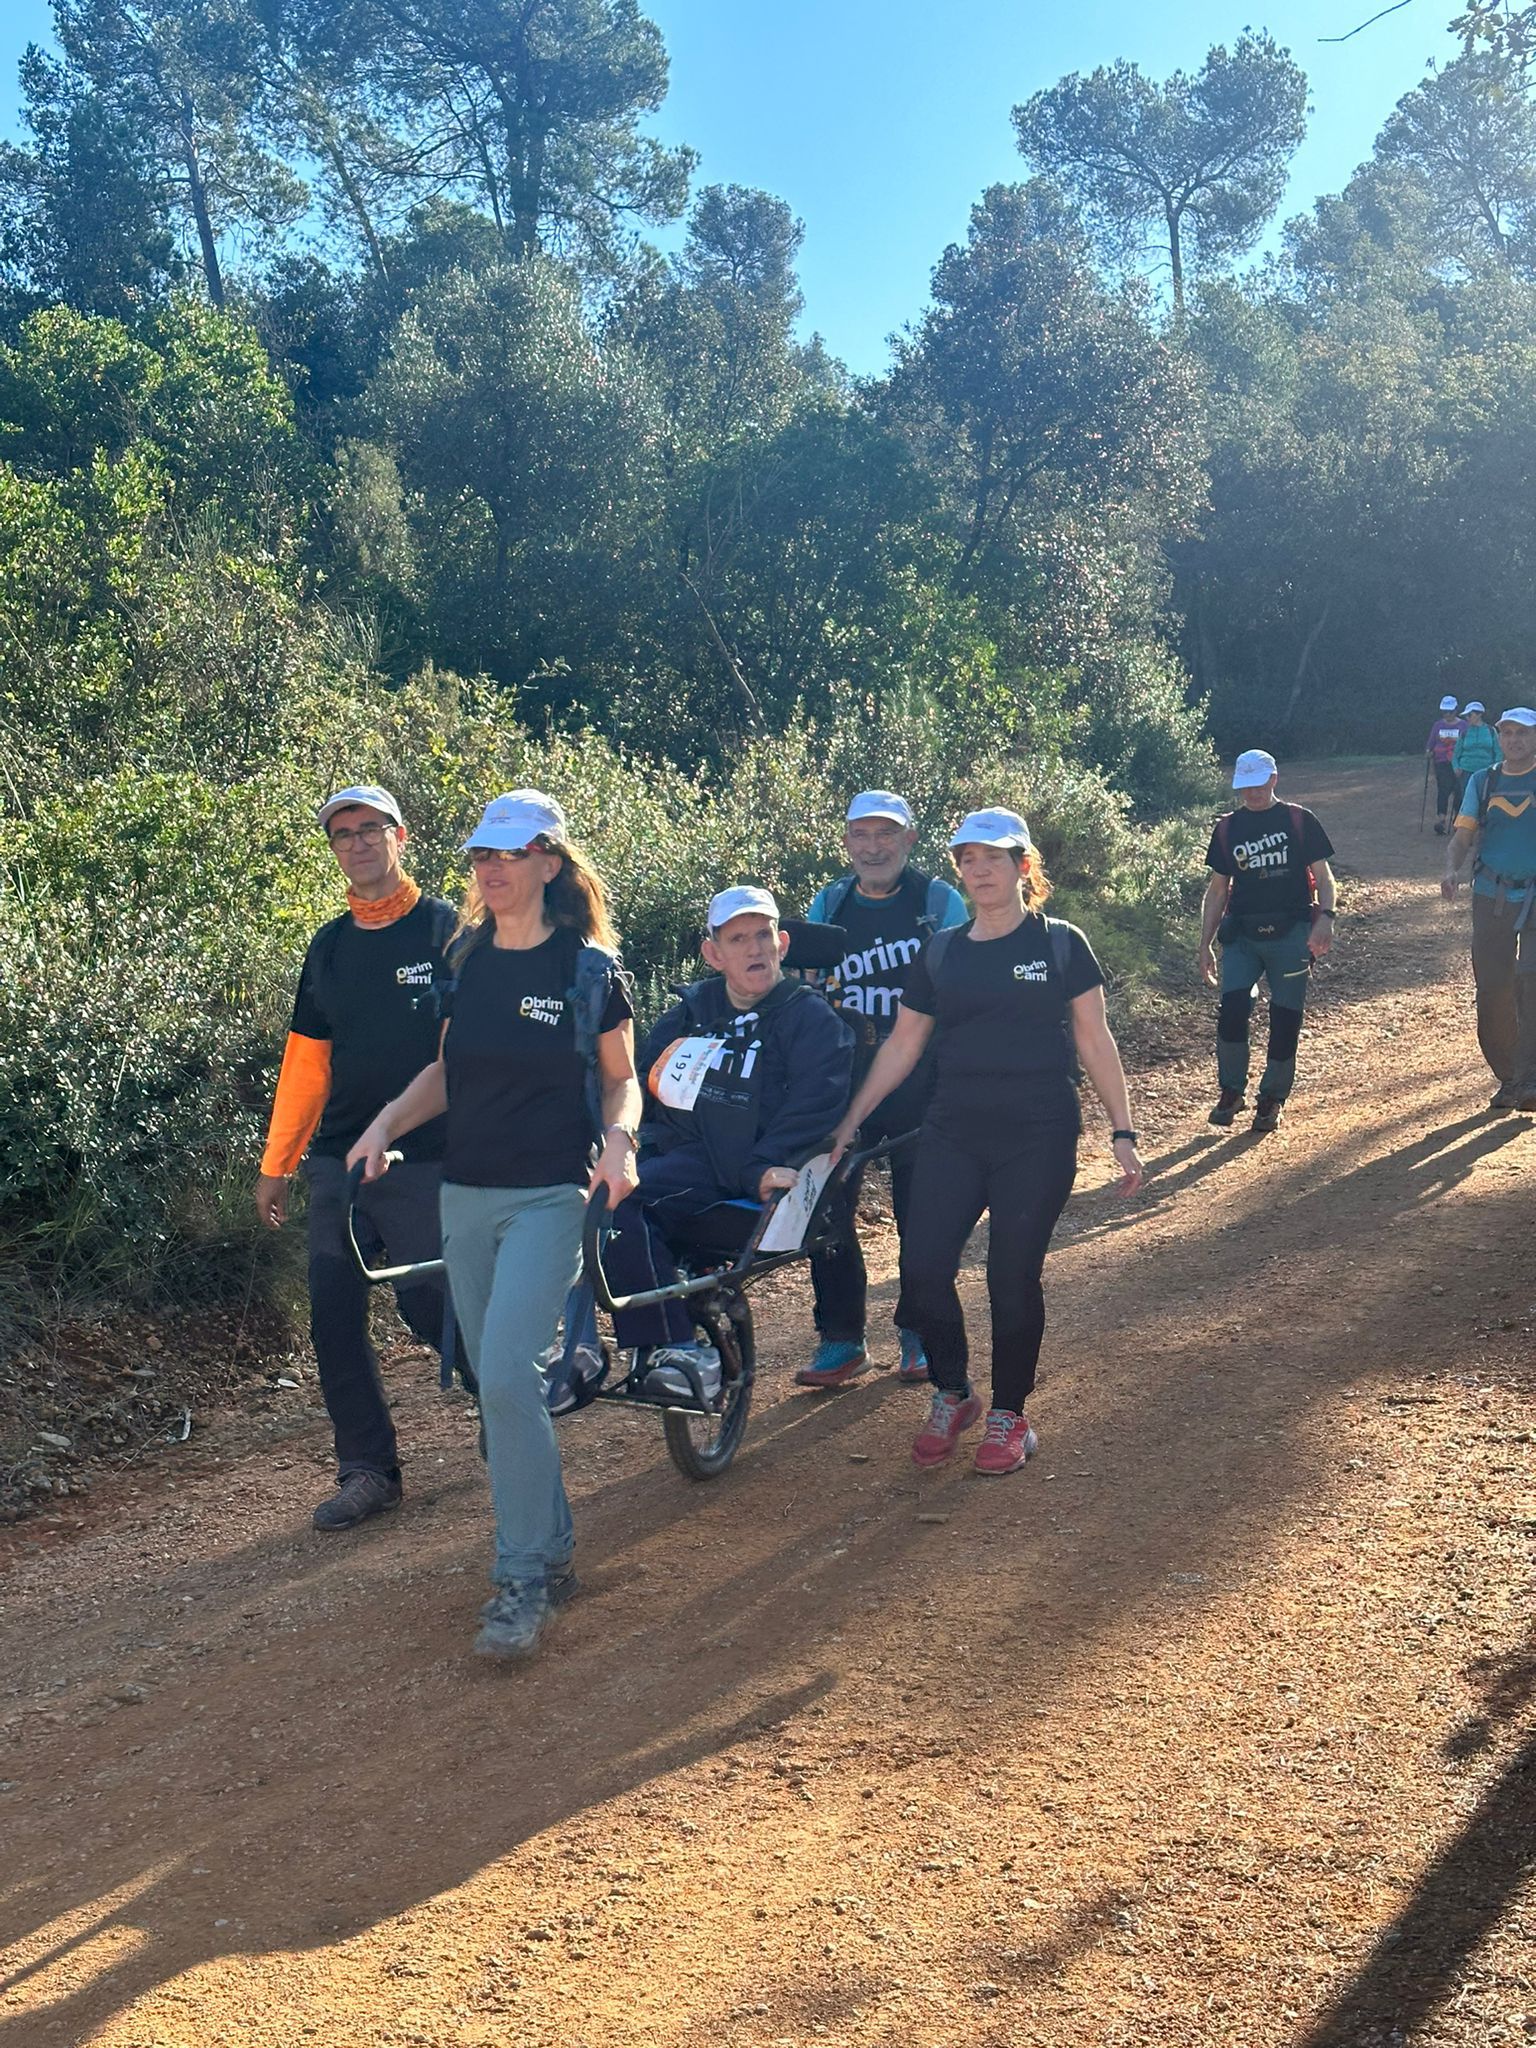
[[1424, 799]]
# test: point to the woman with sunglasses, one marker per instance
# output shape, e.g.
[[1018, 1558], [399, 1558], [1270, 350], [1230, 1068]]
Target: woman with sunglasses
[[518, 1161]]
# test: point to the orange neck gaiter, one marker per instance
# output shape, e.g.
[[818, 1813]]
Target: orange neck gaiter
[[386, 909]]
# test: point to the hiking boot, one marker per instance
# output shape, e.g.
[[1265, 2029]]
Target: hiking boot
[[1503, 1098], [837, 1360], [667, 1374], [1266, 1116], [358, 1496], [913, 1369], [1439, 829], [948, 1419], [513, 1619], [1228, 1103], [561, 1585], [1008, 1445]]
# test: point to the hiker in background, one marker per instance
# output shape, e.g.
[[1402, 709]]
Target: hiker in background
[[1478, 746], [1440, 750], [888, 908], [364, 1022], [536, 1072], [1498, 820], [1012, 1002], [1270, 904]]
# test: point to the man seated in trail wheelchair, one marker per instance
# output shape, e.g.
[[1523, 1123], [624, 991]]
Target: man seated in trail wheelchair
[[745, 1077]]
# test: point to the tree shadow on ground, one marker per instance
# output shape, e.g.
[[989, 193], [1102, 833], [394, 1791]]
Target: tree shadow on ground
[[1462, 1897]]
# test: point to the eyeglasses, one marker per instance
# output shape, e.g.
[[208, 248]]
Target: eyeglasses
[[490, 856], [364, 835]]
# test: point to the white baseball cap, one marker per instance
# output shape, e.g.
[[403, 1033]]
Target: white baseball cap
[[742, 902], [879, 803], [992, 828], [369, 793], [517, 819], [1253, 769], [1447, 703], [1521, 715], [1475, 705]]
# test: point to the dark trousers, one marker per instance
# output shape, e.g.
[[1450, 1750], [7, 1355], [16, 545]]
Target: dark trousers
[[678, 1202], [1504, 967], [397, 1217], [1447, 790], [1021, 1176], [837, 1271]]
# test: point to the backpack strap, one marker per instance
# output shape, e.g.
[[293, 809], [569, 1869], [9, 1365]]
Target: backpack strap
[[938, 947], [322, 957], [1486, 793], [1061, 944], [837, 898], [596, 971]]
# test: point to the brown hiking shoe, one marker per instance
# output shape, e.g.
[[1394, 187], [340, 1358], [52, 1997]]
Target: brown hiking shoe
[[1266, 1116], [359, 1495], [1228, 1103]]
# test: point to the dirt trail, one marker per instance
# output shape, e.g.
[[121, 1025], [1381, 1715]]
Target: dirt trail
[[1218, 1725]]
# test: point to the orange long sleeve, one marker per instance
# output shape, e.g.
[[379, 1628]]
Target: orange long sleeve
[[303, 1086]]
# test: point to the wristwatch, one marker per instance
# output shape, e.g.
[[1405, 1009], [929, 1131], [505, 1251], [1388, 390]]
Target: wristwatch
[[1131, 1137]]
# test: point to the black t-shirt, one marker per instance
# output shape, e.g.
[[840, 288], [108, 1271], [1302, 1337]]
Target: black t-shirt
[[1268, 859], [1002, 1034], [372, 993], [517, 1110]]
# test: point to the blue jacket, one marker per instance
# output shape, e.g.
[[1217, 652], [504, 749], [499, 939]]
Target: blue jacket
[[777, 1092]]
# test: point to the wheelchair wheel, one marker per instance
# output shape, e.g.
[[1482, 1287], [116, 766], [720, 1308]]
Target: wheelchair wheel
[[701, 1446]]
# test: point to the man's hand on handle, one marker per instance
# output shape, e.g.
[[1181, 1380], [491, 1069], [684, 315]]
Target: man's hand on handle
[[777, 1180]]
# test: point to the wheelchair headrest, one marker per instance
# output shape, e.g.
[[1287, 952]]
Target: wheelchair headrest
[[816, 946]]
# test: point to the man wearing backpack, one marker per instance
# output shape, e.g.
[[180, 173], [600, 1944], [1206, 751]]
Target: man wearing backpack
[[1498, 818], [888, 910], [365, 1023], [1270, 905]]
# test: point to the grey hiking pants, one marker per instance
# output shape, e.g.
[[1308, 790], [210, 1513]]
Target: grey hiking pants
[[1504, 966]]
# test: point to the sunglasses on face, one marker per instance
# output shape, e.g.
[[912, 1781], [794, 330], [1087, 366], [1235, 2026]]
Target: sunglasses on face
[[493, 856]]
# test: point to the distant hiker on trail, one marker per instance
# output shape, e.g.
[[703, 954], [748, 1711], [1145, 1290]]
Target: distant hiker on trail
[[536, 1071], [1012, 1002], [1477, 748], [1270, 906], [364, 1022], [1440, 748], [1498, 819], [888, 908]]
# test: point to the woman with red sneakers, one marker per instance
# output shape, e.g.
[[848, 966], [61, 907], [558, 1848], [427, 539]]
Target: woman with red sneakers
[[1014, 1005]]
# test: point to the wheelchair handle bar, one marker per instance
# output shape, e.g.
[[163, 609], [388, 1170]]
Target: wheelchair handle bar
[[375, 1274]]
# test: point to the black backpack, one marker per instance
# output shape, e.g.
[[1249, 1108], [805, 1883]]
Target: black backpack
[[922, 891]]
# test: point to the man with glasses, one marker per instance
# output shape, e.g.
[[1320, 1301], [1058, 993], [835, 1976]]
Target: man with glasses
[[888, 910], [364, 1024]]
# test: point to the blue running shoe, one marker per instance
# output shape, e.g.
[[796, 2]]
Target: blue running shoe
[[837, 1360], [913, 1369]]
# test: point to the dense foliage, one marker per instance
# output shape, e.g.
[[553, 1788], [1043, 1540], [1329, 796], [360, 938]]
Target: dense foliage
[[349, 426]]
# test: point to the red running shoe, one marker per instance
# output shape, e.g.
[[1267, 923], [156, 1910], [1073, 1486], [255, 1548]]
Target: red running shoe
[[949, 1416], [1008, 1445]]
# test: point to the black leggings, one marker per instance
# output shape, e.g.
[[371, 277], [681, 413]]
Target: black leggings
[[1022, 1177]]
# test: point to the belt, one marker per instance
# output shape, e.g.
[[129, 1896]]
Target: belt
[[1506, 886]]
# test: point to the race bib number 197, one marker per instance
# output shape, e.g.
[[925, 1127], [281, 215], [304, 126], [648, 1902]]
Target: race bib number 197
[[679, 1074]]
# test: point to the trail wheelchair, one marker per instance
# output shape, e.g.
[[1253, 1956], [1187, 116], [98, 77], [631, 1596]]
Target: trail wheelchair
[[702, 1435]]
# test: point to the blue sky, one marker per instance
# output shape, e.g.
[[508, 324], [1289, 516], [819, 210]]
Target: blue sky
[[881, 121]]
